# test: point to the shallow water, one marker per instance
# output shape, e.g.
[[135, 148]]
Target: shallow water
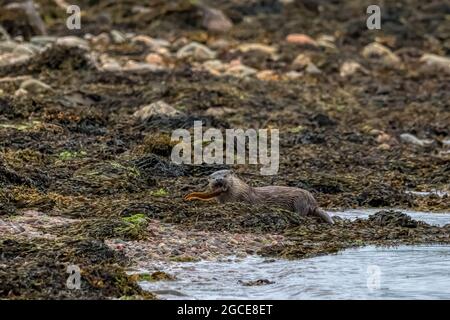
[[404, 272], [439, 219]]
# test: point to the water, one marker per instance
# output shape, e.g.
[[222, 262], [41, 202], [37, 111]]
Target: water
[[404, 272], [439, 219]]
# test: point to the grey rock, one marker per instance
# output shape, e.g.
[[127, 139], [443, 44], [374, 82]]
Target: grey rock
[[34, 86], [196, 51], [215, 20], [411, 139], [159, 108]]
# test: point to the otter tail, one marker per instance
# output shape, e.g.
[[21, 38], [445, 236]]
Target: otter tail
[[322, 214]]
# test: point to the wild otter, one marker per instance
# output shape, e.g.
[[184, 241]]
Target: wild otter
[[225, 186]]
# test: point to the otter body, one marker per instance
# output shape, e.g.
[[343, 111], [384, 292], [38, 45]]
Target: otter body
[[227, 187]]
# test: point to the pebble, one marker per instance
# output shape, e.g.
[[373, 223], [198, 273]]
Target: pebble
[[311, 68], [326, 41], [240, 71], [215, 20], [34, 86], [215, 67], [109, 64], [267, 75], [293, 75], [432, 62], [446, 142], [301, 39], [155, 59], [7, 46], [219, 111], [411, 139], [348, 68], [101, 39], [73, 41], [25, 49], [42, 40], [245, 47], [196, 51], [302, 60], [150, 42], [219, 44], [383, 138], [384, 146], [117, 37], [157, 108], [379, 52], [140, 66]]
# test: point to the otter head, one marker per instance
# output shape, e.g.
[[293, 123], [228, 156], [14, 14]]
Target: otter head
[[221, 181]]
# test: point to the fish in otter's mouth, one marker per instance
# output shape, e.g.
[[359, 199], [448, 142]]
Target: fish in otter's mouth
[[217, 185]]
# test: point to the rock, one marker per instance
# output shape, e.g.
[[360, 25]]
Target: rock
[[101, 39], [151, 42], [34, 86], [383, 138], [20, 93], [259, 282], [7, 46], [159, 108], [9, 59], [293, 75], [376, 51], [109, 64], [301, 39], [245, 47], [215, 67], [196, 51], [384, 146], [240, 70], [117, 36], [155, 59], [73, 42], [349, 68], [311, 68], [411, 139], [26, 49], [219, 111], [141, 66], [302, 60], [446, 143], [219, 44], [326, 41], [215, 20], [267, 75], [42, 40], [433, 62], [393, 218]]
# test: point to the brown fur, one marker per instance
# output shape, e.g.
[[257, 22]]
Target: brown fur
[[232, 189]]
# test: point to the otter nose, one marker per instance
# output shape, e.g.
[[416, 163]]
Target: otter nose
[[218, 181]]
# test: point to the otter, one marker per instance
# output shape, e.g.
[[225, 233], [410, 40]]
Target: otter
[[225, 186]]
